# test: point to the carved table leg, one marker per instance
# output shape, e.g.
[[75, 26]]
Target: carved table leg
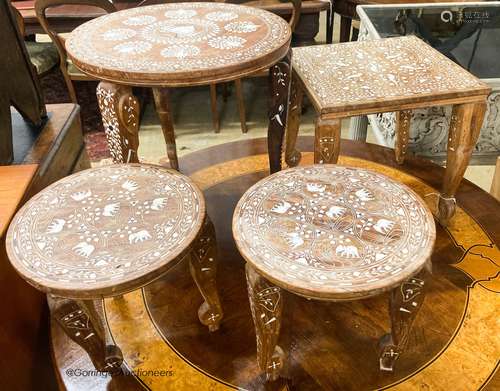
[[327, 141], [465, 126], [203, 267], [292, 156], [279, 81], [403, 121], [266, 304], [83, 321], [120, 116], [404, 304], [162, 104]]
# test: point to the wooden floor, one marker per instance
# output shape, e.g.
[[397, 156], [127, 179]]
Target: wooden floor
[[333, 346]]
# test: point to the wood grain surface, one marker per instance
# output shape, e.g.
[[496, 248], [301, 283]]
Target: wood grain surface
[[333, 345], [179, 44]]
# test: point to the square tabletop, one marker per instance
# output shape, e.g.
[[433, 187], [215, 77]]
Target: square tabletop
[[467, 33], [383, 75]]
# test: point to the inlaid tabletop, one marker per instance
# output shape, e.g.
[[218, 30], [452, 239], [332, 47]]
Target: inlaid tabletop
[[333, 232], [367, 74], [105, 230], [179, 44]]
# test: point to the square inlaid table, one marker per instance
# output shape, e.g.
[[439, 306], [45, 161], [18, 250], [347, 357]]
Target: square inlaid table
[[392, 75], [468, 34], [177, 45]]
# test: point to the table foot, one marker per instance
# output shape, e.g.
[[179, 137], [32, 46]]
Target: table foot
[[266, 305], [83, 322], [203, 267], [120, 113], [292, 155], [404, 304], [279, 82]]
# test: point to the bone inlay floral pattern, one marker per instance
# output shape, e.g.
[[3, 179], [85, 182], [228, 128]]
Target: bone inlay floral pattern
[[345, 232], [174, 38], [104, 226], [394, 68]]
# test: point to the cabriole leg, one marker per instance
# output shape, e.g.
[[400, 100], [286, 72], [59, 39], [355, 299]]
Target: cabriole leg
[[203, 267], [292, 156], [266, 304], [465, 126], [404, 304], [279, 83], [84, 322], [162, 104], [120, 113]]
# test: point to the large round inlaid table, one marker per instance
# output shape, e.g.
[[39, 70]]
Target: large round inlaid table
[[334, 233], [106, 231], [175, 45]]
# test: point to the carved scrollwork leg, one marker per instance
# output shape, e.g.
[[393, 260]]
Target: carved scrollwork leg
[[292, 156], [84, 322], [266, 304], [465, 126], [162, 104], [327, 141], [403, 121], [404, 304], [120, 116], [279, 82], [203, 267]]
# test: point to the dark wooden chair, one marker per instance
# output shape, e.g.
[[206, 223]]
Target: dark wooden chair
[[43, 55], [69, 71]]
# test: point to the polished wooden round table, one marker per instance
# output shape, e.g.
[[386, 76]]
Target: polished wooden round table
[[106, 231], [173, 45], [332, 345], [336, 233]]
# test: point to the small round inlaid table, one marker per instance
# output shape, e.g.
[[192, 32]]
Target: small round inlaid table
[[104, 232], [175, 45], [333, 233]]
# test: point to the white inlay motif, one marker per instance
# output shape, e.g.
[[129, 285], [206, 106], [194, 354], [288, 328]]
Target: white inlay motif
[[118, 34], [221, 16], [227, 42], [133, 47], [134, 220], [139, 20], [180, 51], [335, 227], [84, 249], [180, 31], [379, 69], [241, 27], [98, 56], [180, 14]]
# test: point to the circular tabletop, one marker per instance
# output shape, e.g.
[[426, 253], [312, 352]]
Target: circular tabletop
[[106, 230], [179, 44], [333, 232]]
